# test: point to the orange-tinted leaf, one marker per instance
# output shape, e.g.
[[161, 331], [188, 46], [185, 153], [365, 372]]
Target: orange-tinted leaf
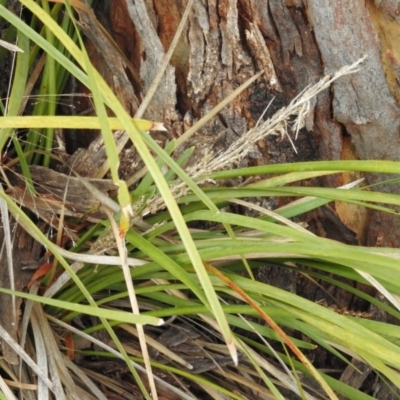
[[40, 272], [69, 345]]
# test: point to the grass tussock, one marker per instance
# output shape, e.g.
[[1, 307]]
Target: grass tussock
[[159, 294]]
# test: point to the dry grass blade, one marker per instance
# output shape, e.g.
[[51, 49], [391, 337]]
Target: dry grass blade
[[10, 46], [112, 351], [64, 386], [277, 124], [41, 357], [18, 382], [5, 336], [123, 253], [6, 390], [8, 245]]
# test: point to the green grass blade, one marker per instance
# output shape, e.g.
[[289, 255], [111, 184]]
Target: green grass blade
[[115, 315]]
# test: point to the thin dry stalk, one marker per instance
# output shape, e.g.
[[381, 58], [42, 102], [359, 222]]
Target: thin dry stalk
[[6, 390], [8, 245], [123, 253]]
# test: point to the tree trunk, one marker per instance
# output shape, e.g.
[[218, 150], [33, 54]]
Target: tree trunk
[[295, 42]]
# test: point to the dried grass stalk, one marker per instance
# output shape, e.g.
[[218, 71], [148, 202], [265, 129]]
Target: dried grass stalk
[[292, 117]]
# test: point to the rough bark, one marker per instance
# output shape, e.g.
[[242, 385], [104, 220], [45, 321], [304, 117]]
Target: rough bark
[[295, 43]]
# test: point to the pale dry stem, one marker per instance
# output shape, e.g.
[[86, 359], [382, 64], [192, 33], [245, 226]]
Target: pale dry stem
[[278, 124]]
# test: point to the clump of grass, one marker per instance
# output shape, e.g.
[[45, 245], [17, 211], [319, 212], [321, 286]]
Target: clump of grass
[[147, 264]]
